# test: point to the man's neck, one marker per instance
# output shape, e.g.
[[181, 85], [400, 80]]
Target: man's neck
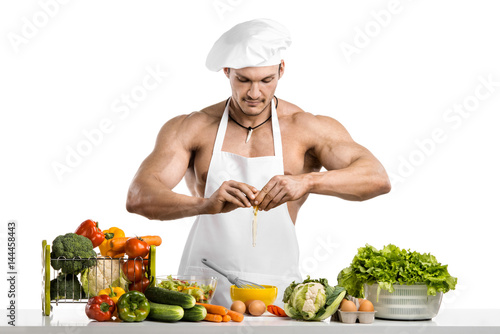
[[248, 120]]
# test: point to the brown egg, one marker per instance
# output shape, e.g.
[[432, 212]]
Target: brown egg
[[367, 306], [247, 303], [348, 306], [360, 301], [257, 307], [342, 303], [238, 306]]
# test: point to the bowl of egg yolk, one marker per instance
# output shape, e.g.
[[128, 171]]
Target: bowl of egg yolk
[[267, 295]]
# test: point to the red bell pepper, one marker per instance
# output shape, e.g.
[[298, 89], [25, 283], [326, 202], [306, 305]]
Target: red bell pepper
[[91, 230], [100, 308]]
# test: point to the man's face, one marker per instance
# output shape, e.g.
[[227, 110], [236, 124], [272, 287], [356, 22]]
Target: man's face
[[253, 87]]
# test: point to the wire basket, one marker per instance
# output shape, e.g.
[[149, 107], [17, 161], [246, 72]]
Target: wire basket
[[69, 283], [407, 302]]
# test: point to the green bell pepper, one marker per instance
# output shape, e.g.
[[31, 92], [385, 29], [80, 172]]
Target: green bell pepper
[[133, 306]]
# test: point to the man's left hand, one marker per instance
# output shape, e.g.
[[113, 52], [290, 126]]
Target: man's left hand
[[281, 189]]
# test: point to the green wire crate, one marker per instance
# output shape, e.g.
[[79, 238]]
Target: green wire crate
[[48, 274]]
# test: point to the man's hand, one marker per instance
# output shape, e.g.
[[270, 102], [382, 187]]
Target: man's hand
[[230, 195], [281, 189]]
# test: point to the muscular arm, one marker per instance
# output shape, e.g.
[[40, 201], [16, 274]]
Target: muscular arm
[[150, 193], [353, 173]]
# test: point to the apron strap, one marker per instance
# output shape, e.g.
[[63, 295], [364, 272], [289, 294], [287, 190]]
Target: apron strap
[[278, 150], [221, 132]]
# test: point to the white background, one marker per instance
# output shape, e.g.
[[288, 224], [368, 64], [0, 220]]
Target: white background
[[70, 72]]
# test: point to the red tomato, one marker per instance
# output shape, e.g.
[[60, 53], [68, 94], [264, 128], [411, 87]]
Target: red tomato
[[133, 269], [146, 261], [140, 285], [136, 247]]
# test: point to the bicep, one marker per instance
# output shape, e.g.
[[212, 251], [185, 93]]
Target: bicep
[[169, 160], [334, 147]]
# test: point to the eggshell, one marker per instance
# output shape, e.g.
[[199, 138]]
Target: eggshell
[[247, 303], [367, 306], [238, 306], [257, 307], [342, 303], [348, 306]]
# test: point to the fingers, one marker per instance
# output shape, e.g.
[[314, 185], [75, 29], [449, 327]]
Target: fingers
[[238, 196], [272, 194], [238, 193], [263, 193]]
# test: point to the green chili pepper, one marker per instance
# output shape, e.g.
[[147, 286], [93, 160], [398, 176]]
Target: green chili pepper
[[133, 306]]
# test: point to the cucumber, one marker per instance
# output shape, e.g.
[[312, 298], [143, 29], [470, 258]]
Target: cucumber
[[164, 312], [195, 313], [170, 297]]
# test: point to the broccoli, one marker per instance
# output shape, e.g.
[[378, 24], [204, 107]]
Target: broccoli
[[66, 287], [72, 253]]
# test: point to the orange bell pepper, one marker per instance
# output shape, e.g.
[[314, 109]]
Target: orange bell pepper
[[110, 234]]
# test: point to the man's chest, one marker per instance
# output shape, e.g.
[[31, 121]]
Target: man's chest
[[296, 156]]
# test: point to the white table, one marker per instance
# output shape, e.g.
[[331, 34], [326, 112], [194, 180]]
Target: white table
[[72, 320]]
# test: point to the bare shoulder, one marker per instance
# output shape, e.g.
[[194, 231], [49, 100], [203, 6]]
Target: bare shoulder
[[311, 126], [190, 129]]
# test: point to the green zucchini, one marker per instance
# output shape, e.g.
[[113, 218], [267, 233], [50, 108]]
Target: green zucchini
[[164, 312], [195, 313], [170, 297]]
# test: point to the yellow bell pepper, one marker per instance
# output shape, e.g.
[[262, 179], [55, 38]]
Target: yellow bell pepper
[[113, 232], [114, 292]]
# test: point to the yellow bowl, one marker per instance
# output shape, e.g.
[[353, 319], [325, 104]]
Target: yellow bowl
[[267, 295]]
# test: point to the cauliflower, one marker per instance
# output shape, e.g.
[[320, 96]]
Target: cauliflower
[[312, 299], [105, 273]]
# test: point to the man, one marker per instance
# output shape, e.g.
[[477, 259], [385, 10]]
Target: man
[[253, 149]]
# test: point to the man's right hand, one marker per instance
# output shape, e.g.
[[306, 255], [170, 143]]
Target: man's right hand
[[230, 195]]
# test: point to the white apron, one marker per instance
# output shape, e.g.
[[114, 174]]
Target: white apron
[[226, 238]]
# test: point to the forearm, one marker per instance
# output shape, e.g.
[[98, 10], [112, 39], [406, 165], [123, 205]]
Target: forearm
[[362, 180], [151, 199]]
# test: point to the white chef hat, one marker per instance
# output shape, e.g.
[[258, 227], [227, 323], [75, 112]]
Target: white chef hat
[[249, 44]]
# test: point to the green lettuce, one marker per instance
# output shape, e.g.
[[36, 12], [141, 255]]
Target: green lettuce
[[313, 299], [392, 265]]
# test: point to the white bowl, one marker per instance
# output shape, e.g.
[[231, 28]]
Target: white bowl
[[407, 302]]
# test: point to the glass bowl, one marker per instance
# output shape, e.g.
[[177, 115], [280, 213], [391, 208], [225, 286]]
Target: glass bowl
[[267, 295], [202, 288]]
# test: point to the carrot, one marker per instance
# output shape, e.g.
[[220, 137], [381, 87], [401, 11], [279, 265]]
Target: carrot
[[152, 240], [226, 318], [235, 316], [214, 309], [276, 310], [114, 254], [118, 244], [213, 317]]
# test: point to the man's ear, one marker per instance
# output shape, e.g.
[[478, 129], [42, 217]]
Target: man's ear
[[226, 71], [282, 69]]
